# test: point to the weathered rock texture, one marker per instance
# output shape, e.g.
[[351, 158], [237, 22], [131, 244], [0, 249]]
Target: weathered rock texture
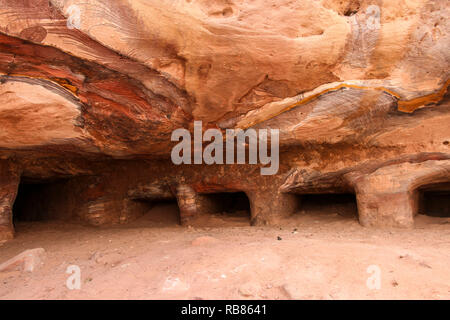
[[90, 92]]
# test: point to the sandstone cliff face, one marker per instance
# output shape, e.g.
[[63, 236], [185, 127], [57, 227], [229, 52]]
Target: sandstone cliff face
[[91, 90]]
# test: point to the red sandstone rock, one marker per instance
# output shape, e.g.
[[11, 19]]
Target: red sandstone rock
[[361, 103]]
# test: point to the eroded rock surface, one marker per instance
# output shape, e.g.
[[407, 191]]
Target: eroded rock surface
[[90, 92]]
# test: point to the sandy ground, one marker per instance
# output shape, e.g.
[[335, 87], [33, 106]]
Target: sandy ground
[[316, 255]]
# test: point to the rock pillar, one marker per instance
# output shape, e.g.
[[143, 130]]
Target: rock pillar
[[9, 184]]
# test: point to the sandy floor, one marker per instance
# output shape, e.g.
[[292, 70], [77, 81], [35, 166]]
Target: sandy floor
[[316, 255]]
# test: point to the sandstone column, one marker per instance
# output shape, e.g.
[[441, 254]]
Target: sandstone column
[[383, 208], [9, 183], [187, 202], [386, 198], [269, 206], [97, 204]]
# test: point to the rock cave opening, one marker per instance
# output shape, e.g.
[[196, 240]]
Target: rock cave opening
[[42, 201], [163, 212], [330, 204], [434, 200], [226, 208]]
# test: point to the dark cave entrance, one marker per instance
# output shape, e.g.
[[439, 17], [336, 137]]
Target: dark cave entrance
[[434, 200], [158, 212], [41, 201], [341, 204], [227, 207]]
